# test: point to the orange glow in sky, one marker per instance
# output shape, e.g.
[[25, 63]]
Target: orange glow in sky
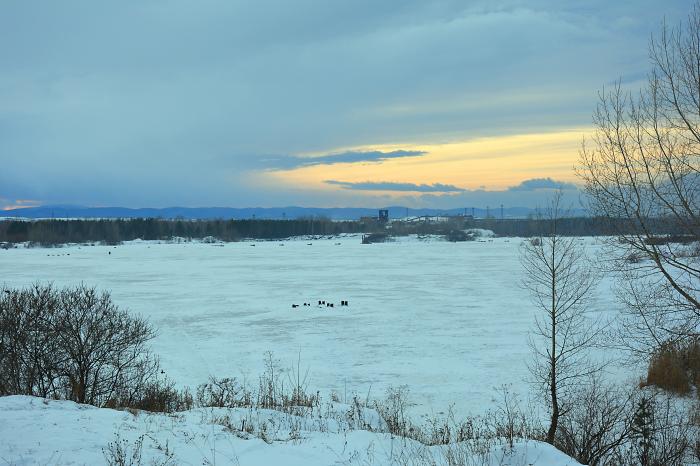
[[20, 203], [491, 163]]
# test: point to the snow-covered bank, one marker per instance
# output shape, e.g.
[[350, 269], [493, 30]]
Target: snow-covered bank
[[38, 431]]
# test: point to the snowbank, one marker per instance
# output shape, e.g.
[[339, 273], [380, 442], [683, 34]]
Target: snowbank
[[38, 431], [481, 233]]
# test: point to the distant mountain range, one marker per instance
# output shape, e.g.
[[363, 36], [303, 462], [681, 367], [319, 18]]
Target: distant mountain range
[[292, 212]]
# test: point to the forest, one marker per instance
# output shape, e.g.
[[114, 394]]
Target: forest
[[113, 231]]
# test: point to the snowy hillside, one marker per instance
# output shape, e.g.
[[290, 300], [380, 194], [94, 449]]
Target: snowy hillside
[[39, 431]]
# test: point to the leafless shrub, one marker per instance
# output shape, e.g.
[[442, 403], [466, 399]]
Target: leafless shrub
[[355, 415], [272, 393], [222, 393], [270, 389], [29, 350], [393, 410], [614, 426], [104, 347], [72, 343], [597, 425], [509, 421], [300, 384], [121, 452], [660, 433], [159, 395]]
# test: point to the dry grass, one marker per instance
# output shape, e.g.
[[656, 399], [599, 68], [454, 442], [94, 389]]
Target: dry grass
[[675, 367]]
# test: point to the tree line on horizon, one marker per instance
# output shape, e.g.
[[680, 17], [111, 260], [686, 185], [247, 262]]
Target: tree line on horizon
[[52, 232], [114, 231]]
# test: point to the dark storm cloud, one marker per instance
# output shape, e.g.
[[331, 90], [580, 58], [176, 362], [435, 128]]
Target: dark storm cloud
[[389, 186], [542, 183], [288, 162], [529, 193], [155, 103], [531, 185]]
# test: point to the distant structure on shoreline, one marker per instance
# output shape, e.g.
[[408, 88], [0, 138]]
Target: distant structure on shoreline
[[381, 218]]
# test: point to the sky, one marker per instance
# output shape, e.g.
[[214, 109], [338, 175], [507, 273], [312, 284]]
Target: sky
[[364, 103]]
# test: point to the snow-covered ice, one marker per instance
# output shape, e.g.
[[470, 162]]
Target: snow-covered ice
[[448, 320]]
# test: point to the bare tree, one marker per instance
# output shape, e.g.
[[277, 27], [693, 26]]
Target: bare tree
[[28, 349], [104, 347], [641, 170], [73, 343], [560, 279]]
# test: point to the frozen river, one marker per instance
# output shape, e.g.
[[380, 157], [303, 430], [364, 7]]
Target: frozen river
[[447, 319]]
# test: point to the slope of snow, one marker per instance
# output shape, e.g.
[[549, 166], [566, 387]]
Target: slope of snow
[[38, 431]]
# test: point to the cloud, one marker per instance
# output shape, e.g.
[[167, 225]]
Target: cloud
[[535, 184], [527, 186], [182, 108], [391, 186], [531, 198], [530, 193], [7, 204], [288, 162]]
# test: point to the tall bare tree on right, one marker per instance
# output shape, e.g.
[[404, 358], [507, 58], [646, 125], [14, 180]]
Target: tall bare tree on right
[[641, 170]]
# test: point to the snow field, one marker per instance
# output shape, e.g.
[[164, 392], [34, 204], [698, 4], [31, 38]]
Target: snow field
[[448, 320]]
